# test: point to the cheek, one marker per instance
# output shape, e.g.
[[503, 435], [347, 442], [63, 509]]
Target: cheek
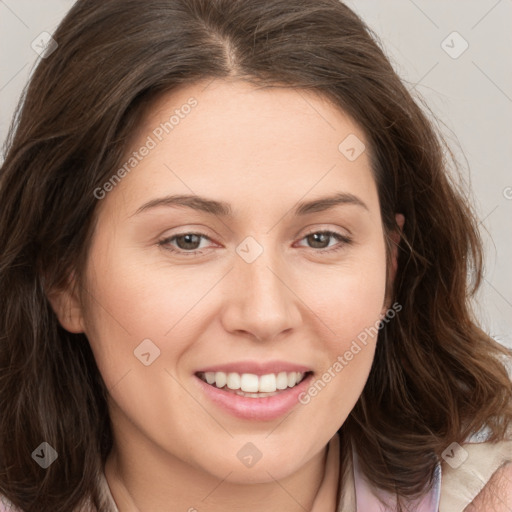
[[129, 317], [350, 297], [125, 307], [350, 306]]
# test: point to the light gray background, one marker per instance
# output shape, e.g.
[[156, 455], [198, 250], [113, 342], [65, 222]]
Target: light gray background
[[470, 95]]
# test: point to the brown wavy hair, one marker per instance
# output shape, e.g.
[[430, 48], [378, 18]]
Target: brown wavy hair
[[436, 377]]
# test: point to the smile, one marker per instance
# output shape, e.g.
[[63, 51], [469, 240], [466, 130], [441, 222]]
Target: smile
[[253, 397], [252, 385]]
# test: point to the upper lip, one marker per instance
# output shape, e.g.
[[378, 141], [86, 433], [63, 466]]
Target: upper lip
[[256, 368]]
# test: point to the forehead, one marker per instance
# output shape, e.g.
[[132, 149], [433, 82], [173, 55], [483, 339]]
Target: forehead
[[234, 141], [254, 118]]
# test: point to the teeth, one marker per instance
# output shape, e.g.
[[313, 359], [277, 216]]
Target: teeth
[[220, 379], [251, 383], [282, 380], [233, 381], [267, 383]]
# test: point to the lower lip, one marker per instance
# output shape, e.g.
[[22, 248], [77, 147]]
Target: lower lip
[[260, 409]]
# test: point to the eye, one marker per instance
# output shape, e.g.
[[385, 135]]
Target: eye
[[187, 243], [318, 238]]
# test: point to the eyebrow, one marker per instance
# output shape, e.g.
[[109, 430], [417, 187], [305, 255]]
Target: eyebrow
[[223, 209]]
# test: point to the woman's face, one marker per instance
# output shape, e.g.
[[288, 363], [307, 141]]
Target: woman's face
[[175, 289]]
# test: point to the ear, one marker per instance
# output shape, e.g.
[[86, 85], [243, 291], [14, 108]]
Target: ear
[[67, 306], [395, 237]]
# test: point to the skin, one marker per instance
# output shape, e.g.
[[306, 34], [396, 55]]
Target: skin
[[262, 151], [496, 496]]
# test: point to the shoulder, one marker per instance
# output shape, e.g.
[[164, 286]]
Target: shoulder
[[6, 505], [496, 496], [477, 476]]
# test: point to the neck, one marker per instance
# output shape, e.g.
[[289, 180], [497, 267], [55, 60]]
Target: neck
[[142, 484]]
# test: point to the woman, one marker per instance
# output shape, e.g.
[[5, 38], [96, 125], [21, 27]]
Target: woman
[[235, 275]]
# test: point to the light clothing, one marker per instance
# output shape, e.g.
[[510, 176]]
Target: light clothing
[[455, 486], [453, 490]]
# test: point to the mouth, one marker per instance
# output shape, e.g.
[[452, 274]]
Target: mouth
[[258, 396], [251, 385]]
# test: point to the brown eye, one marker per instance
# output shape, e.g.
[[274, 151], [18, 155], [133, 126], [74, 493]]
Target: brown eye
[[320, 240], [185, 243], [188, 241]]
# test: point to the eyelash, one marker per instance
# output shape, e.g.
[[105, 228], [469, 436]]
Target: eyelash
[[165, 243]]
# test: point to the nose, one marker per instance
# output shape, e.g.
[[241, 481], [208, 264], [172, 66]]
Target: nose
[[261, 299]]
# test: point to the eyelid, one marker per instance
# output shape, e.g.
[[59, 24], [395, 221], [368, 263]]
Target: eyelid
[[326, 229]]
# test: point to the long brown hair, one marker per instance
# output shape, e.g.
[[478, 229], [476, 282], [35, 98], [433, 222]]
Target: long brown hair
[[436, 377]]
